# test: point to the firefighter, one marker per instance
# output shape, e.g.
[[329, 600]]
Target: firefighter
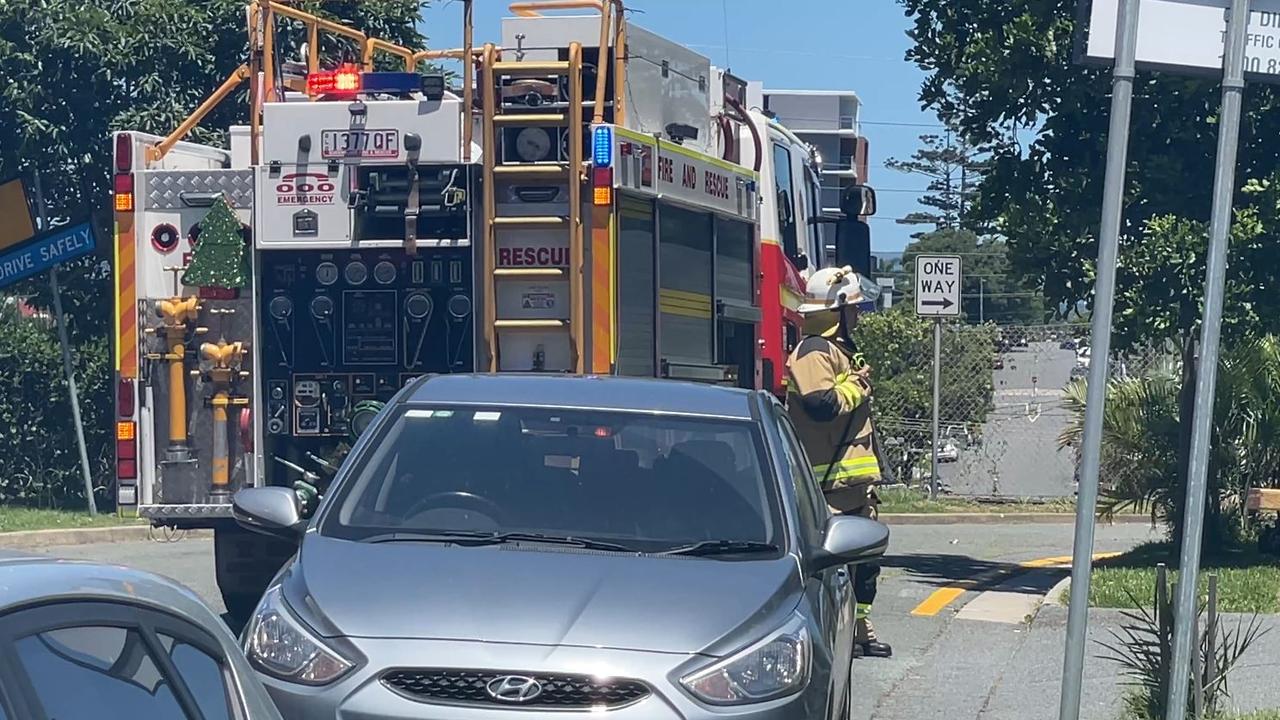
[[829, 390]]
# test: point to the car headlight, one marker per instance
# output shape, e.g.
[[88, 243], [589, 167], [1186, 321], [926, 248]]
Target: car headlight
[[775, 667], [278, 645]]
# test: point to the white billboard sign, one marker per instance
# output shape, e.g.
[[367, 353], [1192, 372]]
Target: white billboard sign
[[1186, 36]]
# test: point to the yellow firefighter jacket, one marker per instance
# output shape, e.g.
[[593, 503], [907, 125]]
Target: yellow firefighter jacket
[[830, 407]]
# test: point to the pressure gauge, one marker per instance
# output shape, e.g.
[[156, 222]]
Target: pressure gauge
[[280, 307], [533, 144], [322, 307], [357, 272], [384, 272], [326, 273]]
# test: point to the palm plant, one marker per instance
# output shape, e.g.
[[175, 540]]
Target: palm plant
[[1139, 441], [1140, 436]]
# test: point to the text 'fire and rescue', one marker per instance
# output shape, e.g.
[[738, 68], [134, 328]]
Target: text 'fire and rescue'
[[713, 183]]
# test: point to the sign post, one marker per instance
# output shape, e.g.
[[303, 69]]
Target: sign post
[[1189, 37], [45, 252], [938, 281], [1224, 182]]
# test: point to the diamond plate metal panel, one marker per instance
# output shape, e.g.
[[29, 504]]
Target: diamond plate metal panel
[[166, 188], [162, 512]]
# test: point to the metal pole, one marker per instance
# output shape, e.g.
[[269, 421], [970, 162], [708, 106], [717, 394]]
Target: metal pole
[[66, 356], [937, 384], [982, 317], [1224, 181], [1104, 299]]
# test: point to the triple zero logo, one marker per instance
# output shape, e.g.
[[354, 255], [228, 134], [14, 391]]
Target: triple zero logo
[[305, 189]]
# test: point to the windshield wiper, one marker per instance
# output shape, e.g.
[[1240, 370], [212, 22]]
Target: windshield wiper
[[475, 537], [448, 536], [557, 540], [722, 547]]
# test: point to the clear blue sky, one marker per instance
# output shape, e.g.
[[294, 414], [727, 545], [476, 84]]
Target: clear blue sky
[[816, 44]]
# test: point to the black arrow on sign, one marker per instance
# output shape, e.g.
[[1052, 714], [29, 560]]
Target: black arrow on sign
[[944, 303]]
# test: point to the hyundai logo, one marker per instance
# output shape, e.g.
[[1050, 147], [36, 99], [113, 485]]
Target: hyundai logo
[[513, 688]]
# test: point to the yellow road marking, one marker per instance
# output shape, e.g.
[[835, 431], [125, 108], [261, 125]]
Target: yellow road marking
[[943, 597]]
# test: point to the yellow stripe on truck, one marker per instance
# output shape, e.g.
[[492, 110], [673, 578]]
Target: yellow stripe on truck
[[684, 304]]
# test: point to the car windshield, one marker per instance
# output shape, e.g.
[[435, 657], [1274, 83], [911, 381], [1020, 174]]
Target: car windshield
[[628, 481]]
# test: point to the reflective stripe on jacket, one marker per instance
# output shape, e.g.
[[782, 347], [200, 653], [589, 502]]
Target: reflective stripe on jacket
[[827, 402]]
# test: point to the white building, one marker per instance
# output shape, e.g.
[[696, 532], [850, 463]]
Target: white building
[[828, 120]]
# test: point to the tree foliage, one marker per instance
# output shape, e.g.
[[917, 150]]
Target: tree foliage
[[1002, 73], [41, 463], [955, 171], [899, 347], [72, 72]]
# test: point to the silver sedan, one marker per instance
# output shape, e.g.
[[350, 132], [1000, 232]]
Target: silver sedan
[[83, 641], [506, 547]]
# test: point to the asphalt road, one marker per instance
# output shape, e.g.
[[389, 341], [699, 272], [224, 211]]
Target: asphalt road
[[1019, 455], [993, 668]]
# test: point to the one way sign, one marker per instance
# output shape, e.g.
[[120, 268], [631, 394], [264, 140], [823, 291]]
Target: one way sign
[[938, 285]]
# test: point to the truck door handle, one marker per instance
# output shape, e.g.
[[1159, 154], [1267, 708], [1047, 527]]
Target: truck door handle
[[195, 199]]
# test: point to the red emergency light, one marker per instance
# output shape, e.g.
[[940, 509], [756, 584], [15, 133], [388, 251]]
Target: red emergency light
[[346, 80]]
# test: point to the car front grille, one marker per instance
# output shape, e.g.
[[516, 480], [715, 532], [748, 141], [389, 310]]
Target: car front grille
[[555, 691]]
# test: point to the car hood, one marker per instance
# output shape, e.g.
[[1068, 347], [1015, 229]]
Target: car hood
[[511, 594]]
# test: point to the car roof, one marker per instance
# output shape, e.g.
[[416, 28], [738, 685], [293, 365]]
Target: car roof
[[29, 579], [590, 391]]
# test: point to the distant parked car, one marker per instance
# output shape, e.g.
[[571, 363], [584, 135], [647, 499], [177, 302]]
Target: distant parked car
[[998, 364], [948, 452], [1068, 344]]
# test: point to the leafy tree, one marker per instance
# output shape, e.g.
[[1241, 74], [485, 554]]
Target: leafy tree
[[899, 347], [1002, 73], [72, 72], [955, 171], [990, 291]]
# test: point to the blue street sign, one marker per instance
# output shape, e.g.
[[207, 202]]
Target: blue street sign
[[45, 251]]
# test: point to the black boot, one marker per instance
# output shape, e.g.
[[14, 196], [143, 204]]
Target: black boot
[[866, 644]]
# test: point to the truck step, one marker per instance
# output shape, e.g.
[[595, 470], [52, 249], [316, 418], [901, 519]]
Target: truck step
[[531, 221], [532, 170], [532, 119], [531, 324], [553, 273], [531, 69]]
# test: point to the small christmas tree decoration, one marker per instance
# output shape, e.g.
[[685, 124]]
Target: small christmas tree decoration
[[219, 260]]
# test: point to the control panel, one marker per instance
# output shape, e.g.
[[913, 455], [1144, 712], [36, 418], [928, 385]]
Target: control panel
[[341, 327]]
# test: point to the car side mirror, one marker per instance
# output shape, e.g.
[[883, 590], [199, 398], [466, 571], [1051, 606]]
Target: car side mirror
[[274, 511], [850, 540]]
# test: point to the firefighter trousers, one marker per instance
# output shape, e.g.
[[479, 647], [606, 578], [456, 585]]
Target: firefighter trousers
[[866, 576]]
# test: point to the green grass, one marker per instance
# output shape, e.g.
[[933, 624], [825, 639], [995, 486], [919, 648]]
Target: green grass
[[1247, 581], [14, 519], [1260, 715], [902, 500]]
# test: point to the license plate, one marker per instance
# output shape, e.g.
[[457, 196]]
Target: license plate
[[360, 143]]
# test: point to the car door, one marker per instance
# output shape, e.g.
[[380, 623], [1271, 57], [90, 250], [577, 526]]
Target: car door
[[835, 594], [109, 661]]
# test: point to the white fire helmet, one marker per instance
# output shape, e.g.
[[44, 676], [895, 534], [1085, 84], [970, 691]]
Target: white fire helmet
[[833, 288]]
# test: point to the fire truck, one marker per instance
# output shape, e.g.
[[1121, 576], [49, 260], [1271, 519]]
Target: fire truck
[[594, 199]]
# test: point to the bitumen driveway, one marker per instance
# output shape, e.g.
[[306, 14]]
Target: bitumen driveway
[[961, 604]]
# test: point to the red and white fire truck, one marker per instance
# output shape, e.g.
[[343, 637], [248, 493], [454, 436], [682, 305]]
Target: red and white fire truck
[[594, 199]]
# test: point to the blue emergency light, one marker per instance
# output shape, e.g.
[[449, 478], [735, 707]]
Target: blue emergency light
[[602, 146]]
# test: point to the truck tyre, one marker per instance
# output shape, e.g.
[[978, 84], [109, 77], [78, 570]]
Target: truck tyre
[[246, 562]]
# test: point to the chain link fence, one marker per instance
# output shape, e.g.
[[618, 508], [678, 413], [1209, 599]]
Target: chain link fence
[[1004, 407]]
